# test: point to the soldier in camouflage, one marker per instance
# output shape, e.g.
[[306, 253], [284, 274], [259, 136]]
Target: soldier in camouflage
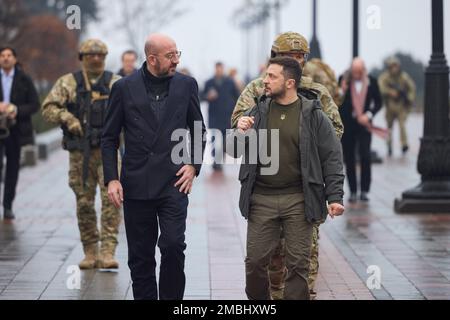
[[321, 73], [77, 102], [294, 45], [399, 94]]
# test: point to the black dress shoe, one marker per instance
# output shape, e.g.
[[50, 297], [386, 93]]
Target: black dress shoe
[[353, 198], [8, 214], [364, 197]]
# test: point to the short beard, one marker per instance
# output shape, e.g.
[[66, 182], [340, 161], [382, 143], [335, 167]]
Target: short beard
[[162, 74], [277, 95], [159, 72]]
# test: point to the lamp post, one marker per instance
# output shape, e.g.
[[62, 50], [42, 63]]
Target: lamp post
[[315, 47], [433, 193], [355, 28]]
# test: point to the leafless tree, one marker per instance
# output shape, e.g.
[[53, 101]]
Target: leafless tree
[[139, 18]]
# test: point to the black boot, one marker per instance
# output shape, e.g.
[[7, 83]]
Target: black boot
[[8, 214]]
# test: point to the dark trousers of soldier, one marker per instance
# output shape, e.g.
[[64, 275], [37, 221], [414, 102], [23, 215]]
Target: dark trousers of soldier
[[268, 214], [357, 137], [11, 148], [141, 224]]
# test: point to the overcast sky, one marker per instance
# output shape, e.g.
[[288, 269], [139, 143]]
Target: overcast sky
[[206, 33]]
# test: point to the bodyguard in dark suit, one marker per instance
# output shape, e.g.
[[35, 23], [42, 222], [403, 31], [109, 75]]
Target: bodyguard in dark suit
[[18, 100], [361, 103], [149, 106]]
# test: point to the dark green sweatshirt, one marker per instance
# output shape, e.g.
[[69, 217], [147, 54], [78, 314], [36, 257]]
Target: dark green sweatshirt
[[288, 179]]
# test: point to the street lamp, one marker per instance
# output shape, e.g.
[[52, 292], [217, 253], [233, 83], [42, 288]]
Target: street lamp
[[314, 44], [433, 193], [355, 28]]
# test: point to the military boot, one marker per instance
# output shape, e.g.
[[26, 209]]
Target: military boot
[[107, 260], [90, 257]]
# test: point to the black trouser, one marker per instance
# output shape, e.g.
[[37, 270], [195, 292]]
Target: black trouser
[[11, 148], [356, 136], [141, 223]]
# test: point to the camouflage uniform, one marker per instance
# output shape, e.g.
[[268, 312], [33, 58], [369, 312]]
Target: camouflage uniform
[[288, 42], [397, 108], [54, 109], [320, 72]]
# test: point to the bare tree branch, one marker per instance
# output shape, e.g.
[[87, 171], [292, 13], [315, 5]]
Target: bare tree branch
[[139, 18]]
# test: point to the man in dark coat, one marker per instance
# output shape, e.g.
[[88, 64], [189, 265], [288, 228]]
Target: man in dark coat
[[18, 101], [152, 105], [221, 93], [362, 100]]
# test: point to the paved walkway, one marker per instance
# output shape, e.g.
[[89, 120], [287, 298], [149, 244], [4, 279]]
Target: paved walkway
[[411, 251]]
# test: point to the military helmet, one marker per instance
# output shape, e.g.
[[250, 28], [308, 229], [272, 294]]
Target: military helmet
[[290, 42], [392, 61], [92, 46]]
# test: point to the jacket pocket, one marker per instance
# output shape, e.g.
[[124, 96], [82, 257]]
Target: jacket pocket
[[315, 170], [316, 202]]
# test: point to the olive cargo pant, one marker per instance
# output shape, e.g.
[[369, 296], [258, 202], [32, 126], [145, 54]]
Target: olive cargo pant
[[268, 214], [277, 266]]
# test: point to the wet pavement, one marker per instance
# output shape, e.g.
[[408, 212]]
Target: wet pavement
[[412, 252]]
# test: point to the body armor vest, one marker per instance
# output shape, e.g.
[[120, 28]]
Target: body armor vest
[[90, 109]]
